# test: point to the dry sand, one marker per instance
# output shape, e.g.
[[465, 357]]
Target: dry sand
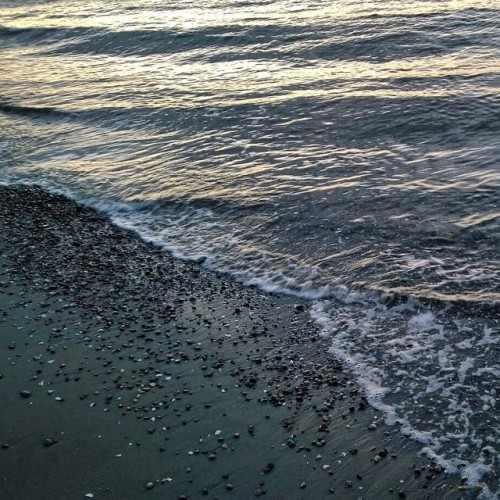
[[127, 374]]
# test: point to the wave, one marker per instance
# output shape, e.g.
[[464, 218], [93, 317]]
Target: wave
[[37, 35], [194, 230], [33, 111], [378, 38]]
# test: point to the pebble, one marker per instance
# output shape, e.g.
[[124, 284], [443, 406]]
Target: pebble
[[372, 427], [25, 394], [268, 468], [150, 485]]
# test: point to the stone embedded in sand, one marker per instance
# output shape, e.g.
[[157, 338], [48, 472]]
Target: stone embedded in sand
[[25, 394], [49, 442], [150, 485], [268, 468], [372, 427]]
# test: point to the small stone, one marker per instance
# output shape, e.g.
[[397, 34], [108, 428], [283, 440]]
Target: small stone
[[372, 427], [25, 394], [5, 446], [212, 456], [268, 468], [229, 487], [302, 485], [150, 485]]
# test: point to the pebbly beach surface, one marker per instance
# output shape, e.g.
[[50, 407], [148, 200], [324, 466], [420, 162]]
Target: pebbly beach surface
[[125, 373]]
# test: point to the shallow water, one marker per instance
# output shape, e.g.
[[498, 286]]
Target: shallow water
[[346, 152]]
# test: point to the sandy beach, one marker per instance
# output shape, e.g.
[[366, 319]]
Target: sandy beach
[[126, 374]]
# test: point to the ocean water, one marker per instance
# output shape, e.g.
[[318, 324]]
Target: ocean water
[[343, 151]]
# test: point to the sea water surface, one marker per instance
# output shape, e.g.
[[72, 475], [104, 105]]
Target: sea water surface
[[345, 151]]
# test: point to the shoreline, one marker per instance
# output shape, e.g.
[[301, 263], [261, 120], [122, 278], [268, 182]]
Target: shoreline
[[125, 372]]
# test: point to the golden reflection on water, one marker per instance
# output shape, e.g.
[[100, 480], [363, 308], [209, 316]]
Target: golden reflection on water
[[186, 80], [186, 15]]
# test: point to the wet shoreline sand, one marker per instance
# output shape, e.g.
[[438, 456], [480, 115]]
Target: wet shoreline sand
[[125, 373]]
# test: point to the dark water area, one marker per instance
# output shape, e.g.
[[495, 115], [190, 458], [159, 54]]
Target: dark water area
[[345, 152]]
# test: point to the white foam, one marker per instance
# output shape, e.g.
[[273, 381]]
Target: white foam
[[428, 372]]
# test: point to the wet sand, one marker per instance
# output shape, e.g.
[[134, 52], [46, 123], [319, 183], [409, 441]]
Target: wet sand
[[127, 374]]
